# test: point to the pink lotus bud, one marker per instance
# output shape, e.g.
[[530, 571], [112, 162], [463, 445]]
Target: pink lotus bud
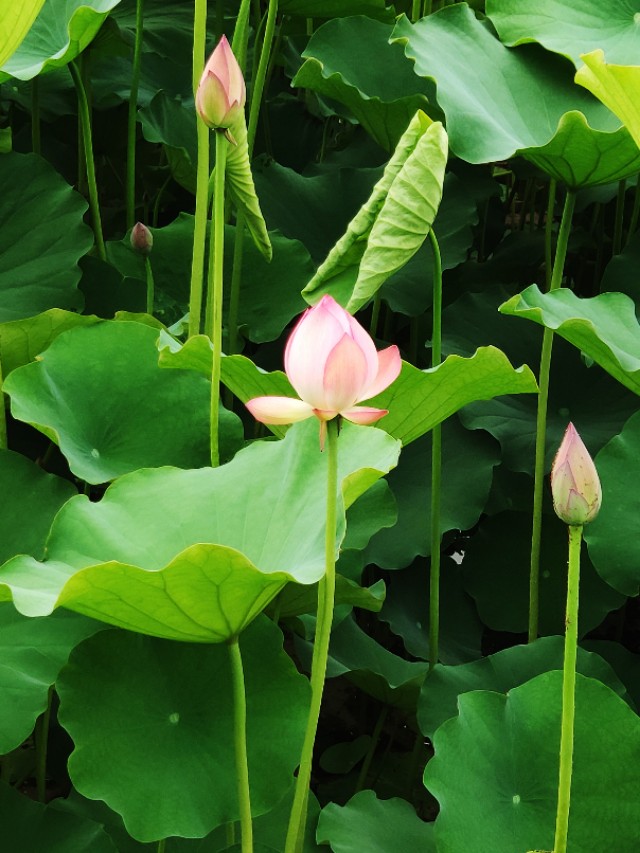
[[575, 484], [333, 364], [221, 92], [141, 239]]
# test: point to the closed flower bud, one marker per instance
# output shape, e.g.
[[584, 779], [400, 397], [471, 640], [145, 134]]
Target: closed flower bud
[[221, 92], [141, 239], [575, 484]]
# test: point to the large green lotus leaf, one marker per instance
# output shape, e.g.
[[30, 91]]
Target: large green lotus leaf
[[472, 320], [496, 575], [420, 399], [570, 27], [29, 827], [338, 273], [377, 826], [520, 104], [316, 207], [61, 32], [406, 611], [502, 672], [372, 667], [333, 8], [604, 327], [152, 725], [128, 412], [195, 555], [15, 22], [269, 829], [468, 461], [376, 510], [22, 340], [406, 216], [33, 651], [29, 500], [269, 292], [39, 249], [617, 86], [613, 551], [383, 95], [514, 806], [168, 27], [620, 274]]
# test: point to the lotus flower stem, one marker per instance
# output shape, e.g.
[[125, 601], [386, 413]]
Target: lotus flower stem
[[261, 73], [240, 741], [634, 214], [326, 597], [150, 285], [217, 239], [161, 845], [541, 422], [132, 115], [41, 741], [375, 740], [236, 281], [568, 690], [202, 176], [617, 225], [436, 464], [85, 124], [35, 115]]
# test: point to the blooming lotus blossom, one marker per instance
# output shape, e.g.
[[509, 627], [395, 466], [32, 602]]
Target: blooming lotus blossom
[[221, 93], [575, 484], [333, 365]]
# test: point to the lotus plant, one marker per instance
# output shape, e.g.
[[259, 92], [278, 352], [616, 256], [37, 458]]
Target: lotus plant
[[221, 93], [333, 365], [577, 497]]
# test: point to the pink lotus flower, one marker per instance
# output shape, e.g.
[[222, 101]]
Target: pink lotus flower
[[575, 484], [141, 239], [221, 93], [333, 364]]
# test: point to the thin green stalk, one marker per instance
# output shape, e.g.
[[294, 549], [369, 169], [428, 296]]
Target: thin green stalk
[[548, 231], [375, 315], [240, 742], [35, 115], [416, 6], [375, 740], [132, 115], [83, 64], [41, 742], [426, 8], [236, 280], [230, 832], [202, 176], [150, 285], [258, 81], [161, 845], [633, 224], [85, 123], [217, 236], [326, 597], [617, 226], [568, 691], [541, 421], [156, 204], [436, 464]]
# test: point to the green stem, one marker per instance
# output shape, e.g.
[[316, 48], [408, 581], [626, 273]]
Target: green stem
[[436, 464], [217, 236], [236, 281], [568, 690], [326, 597], [156, 205], [41, 741], [617, 226], [258, 82], [132, 115], [375, 740], [150, 285], [35, 115], [541, 422], [85, 123], [202, 176], [416, 7], [375, 315], [161, 845], [548, 231], [240, 741]]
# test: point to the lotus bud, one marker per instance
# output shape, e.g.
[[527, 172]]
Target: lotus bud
[[141, 239], [221, 93], [575, 484]]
